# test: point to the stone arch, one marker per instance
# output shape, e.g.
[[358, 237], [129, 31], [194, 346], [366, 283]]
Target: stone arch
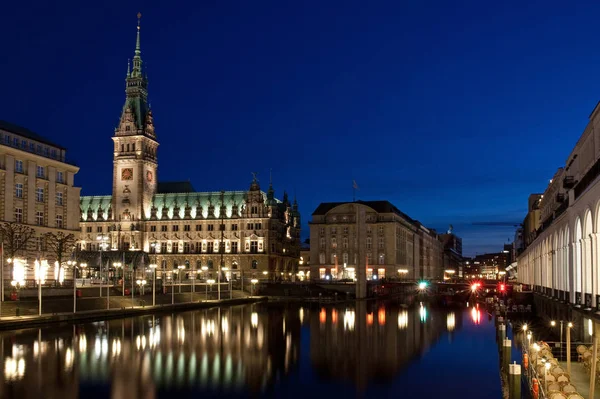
[[577, 263], [555, 267], [586, 254], [569, 276]]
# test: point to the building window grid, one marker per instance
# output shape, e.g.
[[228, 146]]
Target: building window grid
[[41, 172], [59, 221], [18, 166], [59, 198], [19, 190]]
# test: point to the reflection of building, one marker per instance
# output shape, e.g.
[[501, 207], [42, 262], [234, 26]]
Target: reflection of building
[[230, 351], [363, 344], [393, 242], [37, 188], [255, 231]]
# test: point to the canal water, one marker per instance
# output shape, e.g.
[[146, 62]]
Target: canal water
[[261, 350]]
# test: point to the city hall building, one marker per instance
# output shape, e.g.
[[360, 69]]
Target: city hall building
[[145, 221]]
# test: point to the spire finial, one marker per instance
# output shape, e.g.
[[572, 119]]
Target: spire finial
[[137, 42], [128, 67]]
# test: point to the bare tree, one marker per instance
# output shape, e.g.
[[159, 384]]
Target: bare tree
[[15, 237], [61, 245]]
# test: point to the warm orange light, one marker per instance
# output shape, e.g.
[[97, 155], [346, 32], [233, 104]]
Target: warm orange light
[[381, 316], [323, 316], [334, 316], [370, 319]]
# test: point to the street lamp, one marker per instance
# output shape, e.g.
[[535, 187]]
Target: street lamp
[[102, 238], [141, 284], [211, 282], [253, 281], [73, 265], [553, 324], [180, 267], [569, 326], [119, 265], [153, 267]]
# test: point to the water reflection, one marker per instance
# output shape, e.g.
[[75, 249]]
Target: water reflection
[[240, 350]]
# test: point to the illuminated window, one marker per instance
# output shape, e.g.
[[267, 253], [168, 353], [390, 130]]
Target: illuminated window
[[322, 273], [381, 273]]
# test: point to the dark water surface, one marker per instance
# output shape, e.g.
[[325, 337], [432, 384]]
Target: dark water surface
[[373, 349]]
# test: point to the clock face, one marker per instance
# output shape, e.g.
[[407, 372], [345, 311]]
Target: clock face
[[127, 174], [149, 176]]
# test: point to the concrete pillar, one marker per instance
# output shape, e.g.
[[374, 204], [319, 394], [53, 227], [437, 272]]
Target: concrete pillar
[[506, 349], [514, 381], [501, 332]]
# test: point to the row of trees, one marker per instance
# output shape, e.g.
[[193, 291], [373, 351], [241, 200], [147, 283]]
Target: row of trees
[[15, 237]]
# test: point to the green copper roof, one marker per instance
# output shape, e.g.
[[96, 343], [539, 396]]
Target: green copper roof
[[166, 204]]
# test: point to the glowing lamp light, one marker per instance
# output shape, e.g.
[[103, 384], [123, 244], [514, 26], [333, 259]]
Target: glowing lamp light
[[422, 285], [524, 327], [553, 323]]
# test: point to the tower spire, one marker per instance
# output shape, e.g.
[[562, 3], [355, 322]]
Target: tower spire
[[137, 59], [137, 41]]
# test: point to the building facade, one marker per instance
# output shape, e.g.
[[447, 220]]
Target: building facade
[[170, 224], [562, 260], [395, 245], [37, 190]]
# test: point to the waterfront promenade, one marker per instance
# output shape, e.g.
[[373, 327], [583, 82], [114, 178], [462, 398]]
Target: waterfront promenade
[[89, 309]]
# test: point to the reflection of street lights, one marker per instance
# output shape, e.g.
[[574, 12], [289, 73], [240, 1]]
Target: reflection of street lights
[[153, 267], [211, 282], [253, 281], [569, 326]]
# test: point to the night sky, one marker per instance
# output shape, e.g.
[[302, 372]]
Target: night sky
[[452, 110]]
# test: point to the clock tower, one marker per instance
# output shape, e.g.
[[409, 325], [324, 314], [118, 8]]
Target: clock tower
[[135, 148]]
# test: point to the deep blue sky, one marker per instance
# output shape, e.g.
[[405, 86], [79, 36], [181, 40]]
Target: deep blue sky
[[453, 110]]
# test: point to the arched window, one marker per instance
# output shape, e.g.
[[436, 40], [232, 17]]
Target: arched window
[[254, 264], [234, 265], [163, 264], [198, 265], [210, 264]]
